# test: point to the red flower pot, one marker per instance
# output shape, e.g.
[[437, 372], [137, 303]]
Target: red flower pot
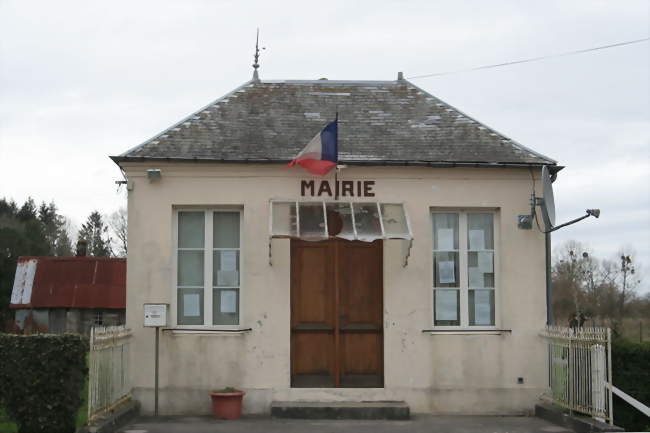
[[226, 405]]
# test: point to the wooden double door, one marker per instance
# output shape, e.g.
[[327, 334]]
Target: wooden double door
[[337, 314]]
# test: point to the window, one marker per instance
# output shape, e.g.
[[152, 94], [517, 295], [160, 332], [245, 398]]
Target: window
[[98, 320], [208, 267], [463, 269]]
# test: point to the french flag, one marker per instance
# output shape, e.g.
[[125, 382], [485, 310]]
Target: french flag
[[321, 153]]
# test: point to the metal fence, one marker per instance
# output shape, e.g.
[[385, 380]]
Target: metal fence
[[580, 369], [108, 380]]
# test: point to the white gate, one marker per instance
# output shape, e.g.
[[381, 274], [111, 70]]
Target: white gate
[[108, 381], [580, 369]]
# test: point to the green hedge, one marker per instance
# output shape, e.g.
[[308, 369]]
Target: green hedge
[[631, 374], [41, 377]]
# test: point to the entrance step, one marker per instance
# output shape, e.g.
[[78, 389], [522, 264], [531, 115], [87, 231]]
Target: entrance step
[[393, 410]]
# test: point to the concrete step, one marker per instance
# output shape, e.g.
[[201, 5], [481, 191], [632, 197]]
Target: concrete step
[[393, 410]]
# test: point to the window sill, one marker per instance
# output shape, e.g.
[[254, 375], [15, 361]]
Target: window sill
[[467, 331], [208, 331]]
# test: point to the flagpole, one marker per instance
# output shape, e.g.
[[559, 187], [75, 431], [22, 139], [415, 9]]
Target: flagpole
[[336, 168], [336, 183]]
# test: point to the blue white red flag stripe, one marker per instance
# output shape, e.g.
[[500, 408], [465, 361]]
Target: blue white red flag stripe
[[321, 153]]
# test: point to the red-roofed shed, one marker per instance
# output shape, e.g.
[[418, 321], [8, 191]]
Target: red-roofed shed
[[68, 294]]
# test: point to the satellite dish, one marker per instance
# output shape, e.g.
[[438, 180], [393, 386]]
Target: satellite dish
[[548, 202]]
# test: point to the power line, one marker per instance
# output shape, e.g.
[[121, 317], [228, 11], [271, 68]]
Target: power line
[[532, 59]]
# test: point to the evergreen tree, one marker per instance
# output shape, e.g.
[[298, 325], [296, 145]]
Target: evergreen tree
[[27, 211], [95, 232], [63, 244], [54, 226], [8, 208], [48, 217]]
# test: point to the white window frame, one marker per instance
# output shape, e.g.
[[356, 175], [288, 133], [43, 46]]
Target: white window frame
[[208, 251], [463, 257]]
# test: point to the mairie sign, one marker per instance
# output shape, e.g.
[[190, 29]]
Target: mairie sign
[[340, 188]]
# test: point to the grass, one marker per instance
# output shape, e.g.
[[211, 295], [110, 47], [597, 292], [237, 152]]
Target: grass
[[7, 426], [636, 329], [82, 413]]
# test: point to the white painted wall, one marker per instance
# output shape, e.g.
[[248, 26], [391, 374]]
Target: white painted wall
[[466, 374]]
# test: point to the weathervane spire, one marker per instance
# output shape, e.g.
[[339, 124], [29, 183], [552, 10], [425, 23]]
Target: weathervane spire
[[256, 65]]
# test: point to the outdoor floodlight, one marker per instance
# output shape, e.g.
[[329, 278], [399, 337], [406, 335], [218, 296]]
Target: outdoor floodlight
[[154, 174]]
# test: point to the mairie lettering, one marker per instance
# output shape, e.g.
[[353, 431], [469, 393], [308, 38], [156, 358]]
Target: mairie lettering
[[341, 188]]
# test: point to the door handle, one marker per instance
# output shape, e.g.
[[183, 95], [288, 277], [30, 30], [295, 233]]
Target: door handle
[[341, 319]]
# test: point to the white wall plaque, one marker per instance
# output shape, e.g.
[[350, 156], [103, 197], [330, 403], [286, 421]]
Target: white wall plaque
[[155, 314]]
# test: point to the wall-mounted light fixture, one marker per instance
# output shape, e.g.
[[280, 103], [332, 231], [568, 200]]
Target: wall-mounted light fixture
[[154, 174]]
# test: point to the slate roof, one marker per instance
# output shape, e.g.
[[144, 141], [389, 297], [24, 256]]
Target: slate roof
[[380, 123]]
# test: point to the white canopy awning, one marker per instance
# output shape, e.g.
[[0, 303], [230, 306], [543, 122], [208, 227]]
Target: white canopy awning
[[321, 220]]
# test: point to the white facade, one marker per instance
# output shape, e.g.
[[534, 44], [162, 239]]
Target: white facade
[[451, 370]]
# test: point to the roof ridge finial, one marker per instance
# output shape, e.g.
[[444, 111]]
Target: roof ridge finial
[[256, 65]]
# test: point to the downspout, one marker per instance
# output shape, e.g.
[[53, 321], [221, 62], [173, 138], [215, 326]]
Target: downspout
[[549, 279]]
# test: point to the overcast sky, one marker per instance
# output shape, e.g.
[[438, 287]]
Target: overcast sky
[[81, 80]]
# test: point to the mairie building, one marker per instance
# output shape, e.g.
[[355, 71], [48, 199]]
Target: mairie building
[[402, 275]]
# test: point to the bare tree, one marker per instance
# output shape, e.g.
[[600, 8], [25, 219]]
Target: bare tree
[[628, 279], [117, 221], [601, 290], [573, 280]]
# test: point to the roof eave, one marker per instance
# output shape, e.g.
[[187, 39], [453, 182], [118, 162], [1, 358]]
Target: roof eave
[[553, 167]]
